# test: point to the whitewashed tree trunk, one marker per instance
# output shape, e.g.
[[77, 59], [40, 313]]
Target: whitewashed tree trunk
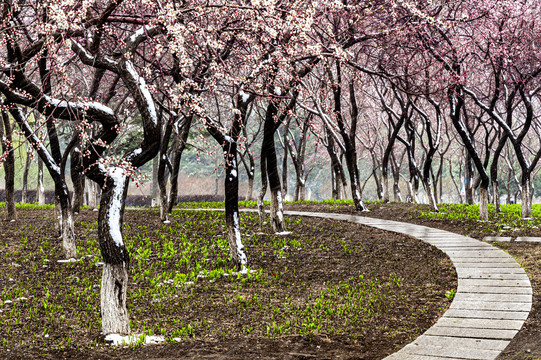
[[114, 313], [277, 212], [114, 283], [430, 195], [483, 204], [526, 199]]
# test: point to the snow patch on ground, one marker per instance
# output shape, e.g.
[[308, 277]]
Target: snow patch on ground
[[283, 233], [119, 340]]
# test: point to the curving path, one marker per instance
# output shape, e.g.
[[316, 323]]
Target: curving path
[[493, 299]]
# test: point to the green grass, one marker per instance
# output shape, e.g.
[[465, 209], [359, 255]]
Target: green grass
[[179, 273], [34, 206], [510, 215]]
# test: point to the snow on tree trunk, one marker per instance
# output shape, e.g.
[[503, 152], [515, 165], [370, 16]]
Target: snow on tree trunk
[[526, 198], [277, 211], [114, 283], [483, 203], [40, 191]]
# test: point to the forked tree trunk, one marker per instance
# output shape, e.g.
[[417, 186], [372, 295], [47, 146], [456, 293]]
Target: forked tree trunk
[[114, 282], [28, 162]]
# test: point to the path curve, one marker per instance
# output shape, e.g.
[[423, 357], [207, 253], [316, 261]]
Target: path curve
[[493, 298]]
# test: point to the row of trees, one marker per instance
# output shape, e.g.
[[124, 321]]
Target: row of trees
[[130, 80]]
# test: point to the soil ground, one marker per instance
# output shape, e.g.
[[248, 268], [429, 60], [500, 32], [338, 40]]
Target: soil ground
[[527, 344], [329, 290]]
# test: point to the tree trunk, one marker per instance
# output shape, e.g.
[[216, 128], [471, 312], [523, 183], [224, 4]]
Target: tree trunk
[[179, 146], [430, 195], [268, 154], [78, 181], [526, 197], [65, 219], [40, 190], [469, 181], [262, 192], [114, 282], [236, 248], [28, 162], [162, 172], [483, 203], [385, 179], [496, 195], [154, 186], [250, 191], [9, 166]]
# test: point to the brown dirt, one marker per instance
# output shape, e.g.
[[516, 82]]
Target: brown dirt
[[527, 344], [413, 279]]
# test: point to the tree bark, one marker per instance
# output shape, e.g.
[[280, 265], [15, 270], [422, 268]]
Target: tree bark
[[154, 187], [236, 248], [348, 138], [40, 189], [9, 166], [114, 282], [162, 172], [181, 139], [28, 162], [78, 180], [268, 152]]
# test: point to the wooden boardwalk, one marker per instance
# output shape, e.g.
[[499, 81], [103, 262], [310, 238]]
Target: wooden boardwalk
[[493, 299]]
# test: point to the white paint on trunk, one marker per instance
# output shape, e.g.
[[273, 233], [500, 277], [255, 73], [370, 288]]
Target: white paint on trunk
[[114, 315], [483, 204], [238, 241]]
